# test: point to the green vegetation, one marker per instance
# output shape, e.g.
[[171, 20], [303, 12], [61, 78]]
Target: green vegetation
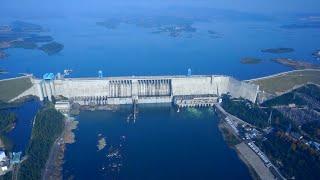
[[7, 121], [253, 114], [277, 50], [25, 35], [7, 176], [245, 110], [23, 44], [285, 82], [294, 159], [48, 126], [283, 146], [52, 48], [296, 96], [250, 60], [10, 89], [312, 129], [296, 64], [230, 139]]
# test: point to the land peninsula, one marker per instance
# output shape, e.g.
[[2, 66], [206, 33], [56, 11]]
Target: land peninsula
[[25, 35], [296, 64]]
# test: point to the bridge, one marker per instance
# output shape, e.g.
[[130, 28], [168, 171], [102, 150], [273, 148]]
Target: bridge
[[182, 90]]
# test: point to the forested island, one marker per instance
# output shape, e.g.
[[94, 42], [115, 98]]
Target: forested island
[[277, 50], [52, 48], [173, 26], [250, 60]]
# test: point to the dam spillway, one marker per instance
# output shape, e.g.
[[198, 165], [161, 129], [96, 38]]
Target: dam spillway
[[142, 89]]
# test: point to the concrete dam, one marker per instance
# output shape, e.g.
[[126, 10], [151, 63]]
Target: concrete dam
[[181, 90]]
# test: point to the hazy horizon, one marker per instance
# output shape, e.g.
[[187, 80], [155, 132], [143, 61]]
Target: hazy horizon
[[33, 8]]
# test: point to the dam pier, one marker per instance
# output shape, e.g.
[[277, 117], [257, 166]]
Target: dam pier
[[183, 91]]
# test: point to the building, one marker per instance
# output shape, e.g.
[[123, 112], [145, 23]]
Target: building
[[63, 106], [2, 156]]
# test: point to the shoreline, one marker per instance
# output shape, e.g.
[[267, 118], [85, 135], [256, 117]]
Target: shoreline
[[256, 167], [223, 128], [53, 169]]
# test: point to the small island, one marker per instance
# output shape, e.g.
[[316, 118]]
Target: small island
[[173, 26], [214, 34], [250, 60], [296, 64], [278, 50], [109, 24], [52, 48], [2, 71], [101, 143], [316, 54], [3, 55]]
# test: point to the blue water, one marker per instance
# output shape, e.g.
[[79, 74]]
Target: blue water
[[161, 144], [131, 50], [20, 135]]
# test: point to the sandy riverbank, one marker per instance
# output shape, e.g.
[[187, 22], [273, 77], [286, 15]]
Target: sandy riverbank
[[252, 160]]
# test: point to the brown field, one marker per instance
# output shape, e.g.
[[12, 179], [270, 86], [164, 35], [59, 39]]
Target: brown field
[[284, 82], [11, 88]]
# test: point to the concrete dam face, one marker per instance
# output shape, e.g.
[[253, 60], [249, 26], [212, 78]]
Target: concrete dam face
[[181, 90]]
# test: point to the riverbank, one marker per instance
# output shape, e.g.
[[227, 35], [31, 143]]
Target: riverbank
[[53, 169], [251, 159], [256, 166], [244, 153]]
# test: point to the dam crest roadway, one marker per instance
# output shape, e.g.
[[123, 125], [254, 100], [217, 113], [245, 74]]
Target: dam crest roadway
[[184, 91]]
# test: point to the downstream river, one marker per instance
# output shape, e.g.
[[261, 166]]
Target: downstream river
[[160, 144]]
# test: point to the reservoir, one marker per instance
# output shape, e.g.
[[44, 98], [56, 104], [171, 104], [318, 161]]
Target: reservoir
[[161, 144]]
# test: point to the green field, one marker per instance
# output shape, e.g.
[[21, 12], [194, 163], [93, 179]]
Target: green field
[[285, 82], [11, 88]]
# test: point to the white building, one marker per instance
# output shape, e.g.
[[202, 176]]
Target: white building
[[63, 106], [2, 156]]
